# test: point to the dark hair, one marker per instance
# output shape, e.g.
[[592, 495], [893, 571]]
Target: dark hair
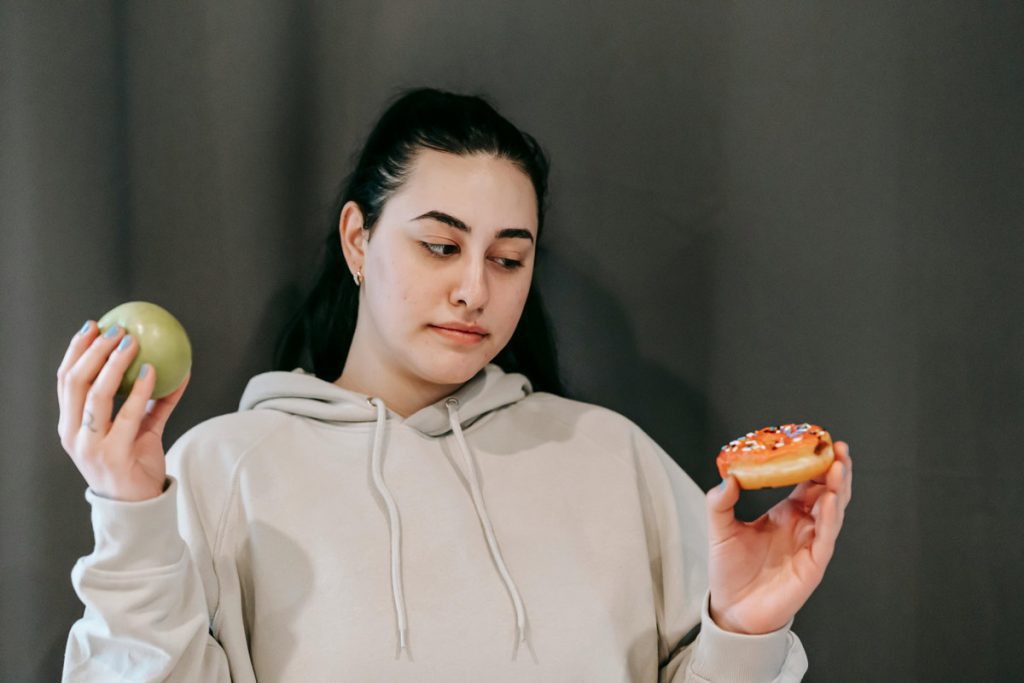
[[319, 335]]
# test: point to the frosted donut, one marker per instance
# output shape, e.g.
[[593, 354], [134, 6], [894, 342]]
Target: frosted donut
[[777, 456]]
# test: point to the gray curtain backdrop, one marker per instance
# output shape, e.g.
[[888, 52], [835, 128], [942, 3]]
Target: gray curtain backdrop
[[761, 212]]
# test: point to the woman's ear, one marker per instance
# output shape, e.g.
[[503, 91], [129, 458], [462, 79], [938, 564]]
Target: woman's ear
[[353, 237]]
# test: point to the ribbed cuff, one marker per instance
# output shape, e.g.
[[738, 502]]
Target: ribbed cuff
[[726, 656], [134, 535]]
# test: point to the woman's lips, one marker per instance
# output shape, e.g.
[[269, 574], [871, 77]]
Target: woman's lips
[[459, 337]]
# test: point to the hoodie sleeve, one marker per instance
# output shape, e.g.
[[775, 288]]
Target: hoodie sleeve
[[151, 591], [692, 648]]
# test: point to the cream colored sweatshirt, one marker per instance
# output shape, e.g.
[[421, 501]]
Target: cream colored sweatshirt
[[497, 535]]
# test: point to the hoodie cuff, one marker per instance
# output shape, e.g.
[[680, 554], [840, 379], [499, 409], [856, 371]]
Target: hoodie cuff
[[136, 535], [726, 656]]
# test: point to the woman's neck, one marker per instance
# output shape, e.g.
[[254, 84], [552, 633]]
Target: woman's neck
[[402, 394]]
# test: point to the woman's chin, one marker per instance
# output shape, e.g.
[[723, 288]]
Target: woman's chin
[[446, 370]]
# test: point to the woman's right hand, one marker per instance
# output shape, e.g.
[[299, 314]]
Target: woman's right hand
[[120, 457]]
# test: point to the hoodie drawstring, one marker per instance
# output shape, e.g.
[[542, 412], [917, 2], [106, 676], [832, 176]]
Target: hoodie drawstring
[[394, 527], [485, 521]]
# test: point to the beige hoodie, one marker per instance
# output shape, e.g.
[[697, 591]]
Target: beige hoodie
[[498, 535]]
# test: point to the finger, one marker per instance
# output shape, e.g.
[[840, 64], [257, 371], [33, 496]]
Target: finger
[[82, 374], [157, 415], [803, 531], [99, 400], [721, 502], [826, 530], [842, 451], [834, 476], [129, 418], [79, 343]]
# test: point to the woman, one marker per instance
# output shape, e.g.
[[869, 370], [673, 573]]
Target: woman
[[423, 504]]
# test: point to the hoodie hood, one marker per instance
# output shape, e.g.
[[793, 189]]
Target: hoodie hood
[[301, 393]]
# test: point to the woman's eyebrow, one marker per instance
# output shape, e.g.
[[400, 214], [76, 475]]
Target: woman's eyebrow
[[459, 225]]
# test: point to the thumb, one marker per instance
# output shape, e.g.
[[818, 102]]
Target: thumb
[[721, 501]]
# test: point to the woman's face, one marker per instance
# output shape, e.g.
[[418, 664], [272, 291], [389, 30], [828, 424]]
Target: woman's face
[[454, 247]]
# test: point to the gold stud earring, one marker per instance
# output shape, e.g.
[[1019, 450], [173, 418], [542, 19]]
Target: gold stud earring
[[358, 277]]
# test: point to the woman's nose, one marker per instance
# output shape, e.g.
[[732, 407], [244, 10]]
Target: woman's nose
[[471, 288]]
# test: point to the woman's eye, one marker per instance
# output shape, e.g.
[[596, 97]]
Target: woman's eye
[[510, 264], [438, 249], [442, 250]]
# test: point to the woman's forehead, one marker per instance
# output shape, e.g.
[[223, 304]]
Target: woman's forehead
[[473, 189]]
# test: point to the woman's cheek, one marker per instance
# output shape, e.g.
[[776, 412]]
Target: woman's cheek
[[524, 292]]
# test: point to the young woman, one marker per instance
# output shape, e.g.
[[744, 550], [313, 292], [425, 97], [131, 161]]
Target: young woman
[[420, 502]]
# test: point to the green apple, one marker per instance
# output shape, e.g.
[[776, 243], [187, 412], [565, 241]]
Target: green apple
[[162, 343]]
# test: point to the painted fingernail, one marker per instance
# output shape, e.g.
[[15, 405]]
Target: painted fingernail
[[85, 328], [111, 332], [125, 342], [721, 487], [144, 370]]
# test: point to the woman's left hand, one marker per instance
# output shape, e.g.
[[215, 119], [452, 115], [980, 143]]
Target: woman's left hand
[[763, 571]]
